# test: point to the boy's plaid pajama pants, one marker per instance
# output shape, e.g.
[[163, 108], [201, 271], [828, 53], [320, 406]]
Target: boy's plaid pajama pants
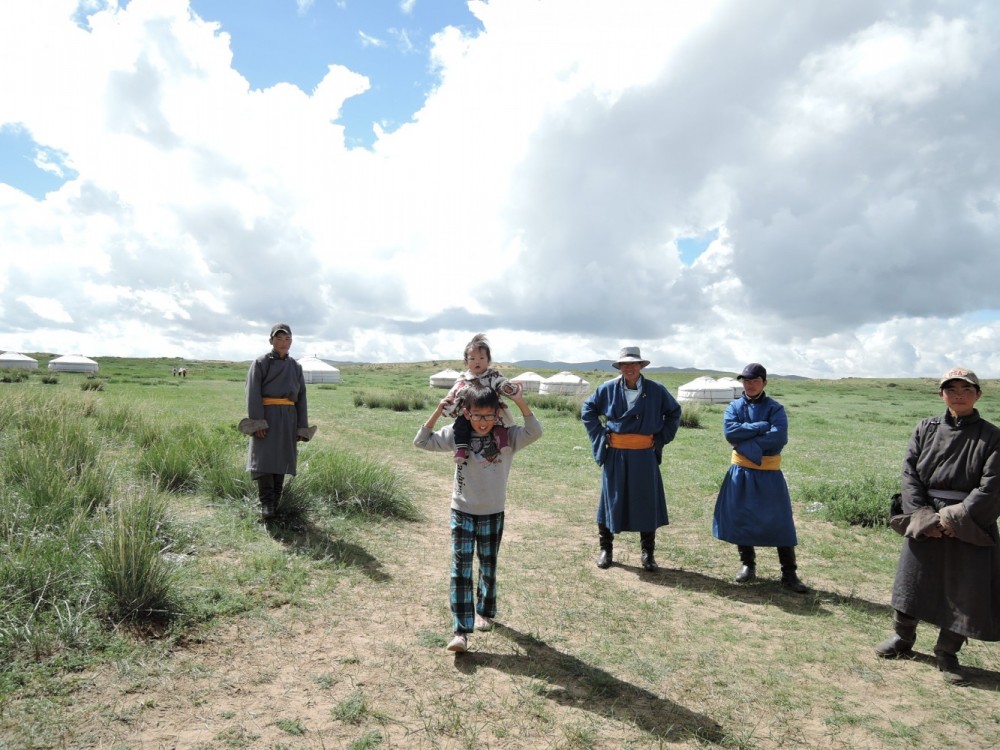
[[482, 534]]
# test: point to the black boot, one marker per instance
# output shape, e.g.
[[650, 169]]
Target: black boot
[[946, 655], [268, 502], [279, 484], [748, 556], [789, 579], [900, 644], [648, 541], [607, 540]]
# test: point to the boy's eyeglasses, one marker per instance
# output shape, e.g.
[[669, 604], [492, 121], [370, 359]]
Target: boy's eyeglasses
[[482, 417]]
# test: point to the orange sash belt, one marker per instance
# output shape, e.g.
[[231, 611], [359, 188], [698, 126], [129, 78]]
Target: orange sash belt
[[629, 440], [768, 463], [268, 401]]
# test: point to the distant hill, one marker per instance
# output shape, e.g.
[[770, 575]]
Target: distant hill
[[605, 364]]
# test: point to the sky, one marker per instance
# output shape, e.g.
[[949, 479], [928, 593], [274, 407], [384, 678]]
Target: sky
[[810, 185]]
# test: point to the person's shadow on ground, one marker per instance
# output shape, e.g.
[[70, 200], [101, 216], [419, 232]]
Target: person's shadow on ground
[[981, 679], [575, 683], [301, 536], [761, 591]]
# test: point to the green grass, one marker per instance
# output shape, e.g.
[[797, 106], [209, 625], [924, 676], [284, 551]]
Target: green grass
[[135, 578]]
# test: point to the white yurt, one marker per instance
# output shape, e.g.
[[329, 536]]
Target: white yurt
[[733, 383], [445, 378], [564, 384], [316, 370], [15, 361], [529, 381], [73, 363], [705, 390]]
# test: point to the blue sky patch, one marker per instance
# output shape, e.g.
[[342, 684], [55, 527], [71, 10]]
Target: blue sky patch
[[18, 168], [274, 42], [689, 248]]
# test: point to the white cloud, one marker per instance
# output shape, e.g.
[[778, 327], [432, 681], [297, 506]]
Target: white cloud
[[843, 152], [47, 308], [368, 40]]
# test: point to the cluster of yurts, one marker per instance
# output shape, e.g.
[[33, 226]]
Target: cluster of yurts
[[703, 390]]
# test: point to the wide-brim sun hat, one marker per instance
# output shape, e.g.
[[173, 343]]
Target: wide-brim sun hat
[[627, 355]]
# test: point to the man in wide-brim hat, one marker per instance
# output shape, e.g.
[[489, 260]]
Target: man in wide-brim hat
[[629, 420]]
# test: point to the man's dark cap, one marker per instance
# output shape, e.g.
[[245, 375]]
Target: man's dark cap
[[753, 370]]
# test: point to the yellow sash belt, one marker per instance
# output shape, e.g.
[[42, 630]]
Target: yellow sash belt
[[629, 440], [268, 401], [768, 463]]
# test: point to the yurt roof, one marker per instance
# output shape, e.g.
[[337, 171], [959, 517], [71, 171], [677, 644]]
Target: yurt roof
[[730, 381], [315, 364], [15, 357], [528, 376], [75, 359], [704, 383], [447, 373], [566, 377]]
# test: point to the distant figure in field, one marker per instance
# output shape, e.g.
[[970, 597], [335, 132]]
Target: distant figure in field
[[277, 419], [949, 567], [478, 497], [478, 361], [753, 508], [629, 420]]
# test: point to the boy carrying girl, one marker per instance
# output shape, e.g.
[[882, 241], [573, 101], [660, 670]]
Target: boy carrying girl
[[478, 497]]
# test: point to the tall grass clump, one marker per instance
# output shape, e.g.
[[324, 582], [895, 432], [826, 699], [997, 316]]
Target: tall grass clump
[[121, 419], [691, 416], [859, 502], [347, 483], [52, 464], [401, 400], [129, 566], [169, 462], [13, 376], [556, 403], [222, 463]]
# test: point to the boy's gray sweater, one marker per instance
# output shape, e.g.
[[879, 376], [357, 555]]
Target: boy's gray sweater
[[480, 486]]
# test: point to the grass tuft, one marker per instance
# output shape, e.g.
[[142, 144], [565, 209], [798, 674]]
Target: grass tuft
[[401, 400], [858, 502], [129, 565], [345, 482]]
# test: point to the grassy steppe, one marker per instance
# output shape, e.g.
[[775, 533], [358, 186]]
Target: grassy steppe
[[327, 630]]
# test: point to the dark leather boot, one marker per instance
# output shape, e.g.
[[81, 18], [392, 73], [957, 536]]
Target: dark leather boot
[[647, 539], [265, 490], [901, 643], [946, 655], [748, 556], [789, 578], [607, 540], [279, 484]]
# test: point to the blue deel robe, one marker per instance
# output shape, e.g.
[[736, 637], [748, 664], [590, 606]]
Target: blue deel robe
[[753, 507], [632, 497]]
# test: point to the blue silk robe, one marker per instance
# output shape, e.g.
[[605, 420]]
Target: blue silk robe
[[753, 507], [632, 497]]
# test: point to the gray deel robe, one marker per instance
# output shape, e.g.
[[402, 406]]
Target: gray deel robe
[[276, 452], [952, 582]]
